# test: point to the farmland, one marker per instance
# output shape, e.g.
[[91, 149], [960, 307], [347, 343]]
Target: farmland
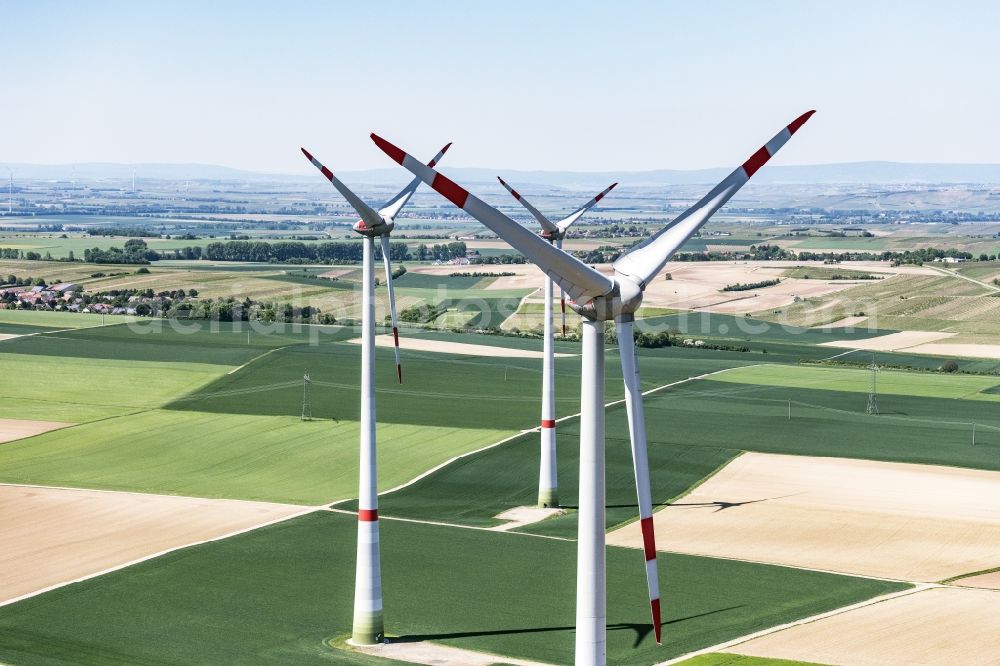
[[211, 411], [291, 593]]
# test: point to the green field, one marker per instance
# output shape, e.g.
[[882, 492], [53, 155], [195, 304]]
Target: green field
[[924, 384], [269, 458], [80, 389], [490, 482], [694, 428], [275, 595], [54, 320]]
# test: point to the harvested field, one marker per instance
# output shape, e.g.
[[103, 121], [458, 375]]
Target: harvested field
[[927, 628], [56, 535], [11, 429], [954, 349], [891, 520], [891, 342], [465, 349]]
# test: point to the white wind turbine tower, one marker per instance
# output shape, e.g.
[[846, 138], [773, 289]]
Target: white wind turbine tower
[[368, 626], [599, 298], [548, 476]]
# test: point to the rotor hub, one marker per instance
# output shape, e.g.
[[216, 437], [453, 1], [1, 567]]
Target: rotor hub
[[621, 302]]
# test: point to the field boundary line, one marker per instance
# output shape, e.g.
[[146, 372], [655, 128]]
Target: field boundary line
[[916, 589], [144, 494], [257, 358], [505, 440], [849, 351], [18, 336], [438, 523], [946, 271], [167, 551]]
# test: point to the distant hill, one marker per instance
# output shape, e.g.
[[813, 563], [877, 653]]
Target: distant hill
[[855, 173]]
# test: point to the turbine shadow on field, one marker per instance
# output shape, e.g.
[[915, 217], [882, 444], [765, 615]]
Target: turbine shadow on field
[[721, 504], [641, 630]]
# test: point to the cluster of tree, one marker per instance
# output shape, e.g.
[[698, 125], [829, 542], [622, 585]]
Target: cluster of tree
[[482, 274], [423, 313], [756, 253], [128, 232], [15, 281], [442, 252], [925, 254], [230, 309], [601, 255], [10, 253], [186, 252], [500, 259], [297, 251], [741, 286], [134, 252]]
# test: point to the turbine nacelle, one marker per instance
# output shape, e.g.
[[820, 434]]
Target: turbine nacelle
[[620, 303], [384, 227]]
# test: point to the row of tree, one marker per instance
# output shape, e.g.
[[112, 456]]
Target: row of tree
[[332, 252]]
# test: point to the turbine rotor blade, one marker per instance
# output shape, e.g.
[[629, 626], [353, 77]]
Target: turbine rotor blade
[[547, 225], [368, 215], [562, 297], [384, 239], [564, 223], [640, 462], [643, 262], [392, 208], [582, 282]]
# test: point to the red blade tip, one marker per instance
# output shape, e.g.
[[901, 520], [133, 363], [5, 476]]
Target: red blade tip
[[307, 154], [654, 605], [389, 149], [800, 121]]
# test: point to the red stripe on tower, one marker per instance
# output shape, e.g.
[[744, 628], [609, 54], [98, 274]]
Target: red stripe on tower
[[548, 423], [368, 515], [756, 161], [395, 336], [389, 149], [648, 542], [450, 190], [800, 121]]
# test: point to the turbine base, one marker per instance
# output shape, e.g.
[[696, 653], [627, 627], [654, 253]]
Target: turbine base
[[368, 629], [548, 498]]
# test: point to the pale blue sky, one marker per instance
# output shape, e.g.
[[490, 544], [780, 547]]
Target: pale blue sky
[[516, 85]]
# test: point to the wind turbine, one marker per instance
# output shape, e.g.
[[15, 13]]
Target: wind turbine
[[599, 298], [368, 627], [548, 476]]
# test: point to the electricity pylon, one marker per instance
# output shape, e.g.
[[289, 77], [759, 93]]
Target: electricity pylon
[[306, 401], [872, 389]]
